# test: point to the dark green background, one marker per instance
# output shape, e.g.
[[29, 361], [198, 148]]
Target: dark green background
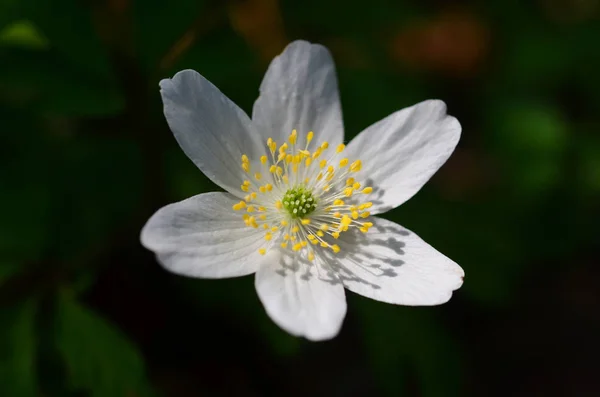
[[86, 157]]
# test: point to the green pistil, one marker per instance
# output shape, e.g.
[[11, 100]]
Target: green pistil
[[299, 202]]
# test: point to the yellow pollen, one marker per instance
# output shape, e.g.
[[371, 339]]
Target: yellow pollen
[[343, 162], [349, 181], [311, 256], [309, 137], [338, 202], [367, 190], [295, 229], [297, 247], [320, 233], [348, 191], [263, 159], [335, 235], [250, 208], [268, 236], [239, 206], [272, 169], [324, 145], [335, 248], [322, 163], [355, 214], [356, 166], [340, 148], [305, 221], [245, 159], [365, 214], [278, 205], [284, 223], [356, 186], [258, 176], [284, 245], [262, 251], [246, 167]]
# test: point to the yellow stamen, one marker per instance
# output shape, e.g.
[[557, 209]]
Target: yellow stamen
[[356, 166]]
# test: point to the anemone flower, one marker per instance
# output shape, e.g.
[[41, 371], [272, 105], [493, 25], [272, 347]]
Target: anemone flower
[[299, 206]]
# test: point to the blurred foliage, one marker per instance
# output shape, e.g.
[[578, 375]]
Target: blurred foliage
[[86, 157]]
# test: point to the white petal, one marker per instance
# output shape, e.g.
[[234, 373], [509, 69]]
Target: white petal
[[298, 299], [203, 237], [401, 152], [212, 130], [392, 264], [299, 91]]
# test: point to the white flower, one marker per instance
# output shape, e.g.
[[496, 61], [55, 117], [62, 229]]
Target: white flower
[[299, 206]]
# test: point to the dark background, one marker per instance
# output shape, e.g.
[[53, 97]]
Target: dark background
[[86, 157]]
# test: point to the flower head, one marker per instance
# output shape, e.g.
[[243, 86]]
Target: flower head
[[299, 205]]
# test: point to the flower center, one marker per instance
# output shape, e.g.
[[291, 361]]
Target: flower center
[[302, 199], [299, 201]]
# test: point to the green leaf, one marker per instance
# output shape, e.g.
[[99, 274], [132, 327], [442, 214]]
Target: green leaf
[[67, 24], [22, 34], [99, 358], [403, 341], [531, 138], [17, 350], [56, 85], [7, 270]]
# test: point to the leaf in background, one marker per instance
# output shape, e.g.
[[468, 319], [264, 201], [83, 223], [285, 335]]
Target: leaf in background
[[22, 34], [17, 350], [402, 340], [27, 195], [529, 139], [57, 86], [7, 270], [67, 24], [100, 180], [98, 357]]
